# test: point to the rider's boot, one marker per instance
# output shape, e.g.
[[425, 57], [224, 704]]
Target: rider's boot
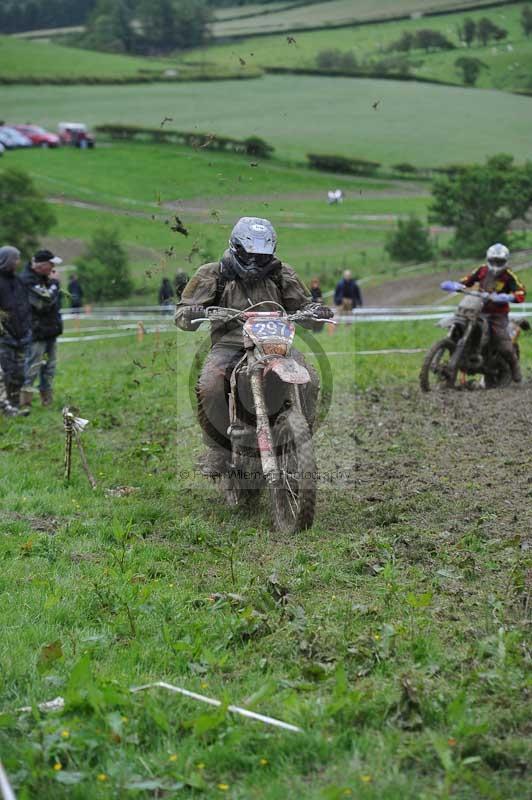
[[516, 370], [213, 462]]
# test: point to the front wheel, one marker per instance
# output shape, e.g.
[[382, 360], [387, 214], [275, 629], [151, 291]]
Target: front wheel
[[437, 371], [293, 498]]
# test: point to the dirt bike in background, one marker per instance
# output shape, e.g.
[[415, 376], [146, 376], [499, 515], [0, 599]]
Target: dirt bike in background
[[467, 348], [271, 442]]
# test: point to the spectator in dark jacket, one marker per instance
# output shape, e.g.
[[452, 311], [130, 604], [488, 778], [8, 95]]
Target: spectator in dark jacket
[[166, 293], [15, 323], [347, 295], [44, 294], [76, 292]]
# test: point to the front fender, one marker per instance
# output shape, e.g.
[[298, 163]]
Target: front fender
[[288, 370]]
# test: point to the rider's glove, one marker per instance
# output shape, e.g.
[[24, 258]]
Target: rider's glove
[[189, 314], [320, 311], [502, 298], [451, 286]]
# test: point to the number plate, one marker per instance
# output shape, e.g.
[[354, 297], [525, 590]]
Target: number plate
[[271, 328]]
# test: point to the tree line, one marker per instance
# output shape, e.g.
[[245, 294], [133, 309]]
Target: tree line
[[25, 15]]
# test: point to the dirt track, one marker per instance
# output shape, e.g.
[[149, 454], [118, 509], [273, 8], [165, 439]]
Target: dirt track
[[444, 464]]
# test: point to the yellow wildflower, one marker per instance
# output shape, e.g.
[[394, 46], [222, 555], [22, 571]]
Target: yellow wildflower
[[58, 766], [102, 777], [223, 787]]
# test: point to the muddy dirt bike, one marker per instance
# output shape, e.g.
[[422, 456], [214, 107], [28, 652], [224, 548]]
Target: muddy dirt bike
[[466, 349], [271, 442]]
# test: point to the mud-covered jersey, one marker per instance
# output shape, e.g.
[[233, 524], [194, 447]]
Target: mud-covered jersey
[[506, 282], [206, 288]]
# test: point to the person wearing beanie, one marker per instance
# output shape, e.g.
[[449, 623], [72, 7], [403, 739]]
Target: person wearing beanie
[[15, 324], [44, 295]]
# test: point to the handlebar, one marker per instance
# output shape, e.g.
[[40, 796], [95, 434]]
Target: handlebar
[[230, 314]]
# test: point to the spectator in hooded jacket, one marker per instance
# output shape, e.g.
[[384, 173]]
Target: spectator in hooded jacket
[[15, 324], [44, 294], [347, 295], [76, 292]]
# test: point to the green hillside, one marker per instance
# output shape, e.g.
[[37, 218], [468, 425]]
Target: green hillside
[[20, 59], [508, 64], [42, 61], [330, 12], [426, 125]]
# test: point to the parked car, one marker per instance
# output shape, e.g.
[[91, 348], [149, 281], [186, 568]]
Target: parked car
[[39, 136], [76, 134], [11, 138]]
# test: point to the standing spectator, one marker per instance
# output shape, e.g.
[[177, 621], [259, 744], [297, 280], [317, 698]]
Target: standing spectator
[[166, 293], [76, 292], [347, 295], [181, 280], [44, 294], [15, 324], [315, 291]]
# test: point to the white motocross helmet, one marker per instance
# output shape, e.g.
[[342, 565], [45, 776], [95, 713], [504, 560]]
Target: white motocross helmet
[[497, 258]]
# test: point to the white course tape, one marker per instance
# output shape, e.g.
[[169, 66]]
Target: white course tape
[[58, 703], [244, 712], [5, 786]]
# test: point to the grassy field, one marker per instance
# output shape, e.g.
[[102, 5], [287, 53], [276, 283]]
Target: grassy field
[[331, 12], [393, 632], [57, 62], [423, 124], [18, 58], [209, 191], [507, 67]]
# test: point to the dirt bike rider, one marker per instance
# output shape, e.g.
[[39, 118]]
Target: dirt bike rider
[[248, 273], [505, 287]]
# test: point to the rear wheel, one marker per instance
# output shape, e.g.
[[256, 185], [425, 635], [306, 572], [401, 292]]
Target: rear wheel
[[293, 498], [437, 372]]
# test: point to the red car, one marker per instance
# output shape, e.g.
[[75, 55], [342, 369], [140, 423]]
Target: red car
[[38, 136]]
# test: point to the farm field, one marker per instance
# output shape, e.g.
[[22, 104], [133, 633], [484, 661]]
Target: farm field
[[60, 63], [392, 632], [508, 64], [331, 12], [423, 124], [99, 188], [57, 61]]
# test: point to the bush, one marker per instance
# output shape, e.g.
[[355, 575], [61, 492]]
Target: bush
[[253, 145], [481, 202], [470, 69], [404, 44], [103, 269], [405, 168], [526, 20], [424, 39], [409, 242], [392, 65], [336, 60], [487, 30], [25, 213], [349, 166]]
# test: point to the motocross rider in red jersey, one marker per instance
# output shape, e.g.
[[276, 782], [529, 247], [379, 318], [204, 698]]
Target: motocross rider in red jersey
[[505, 287]]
